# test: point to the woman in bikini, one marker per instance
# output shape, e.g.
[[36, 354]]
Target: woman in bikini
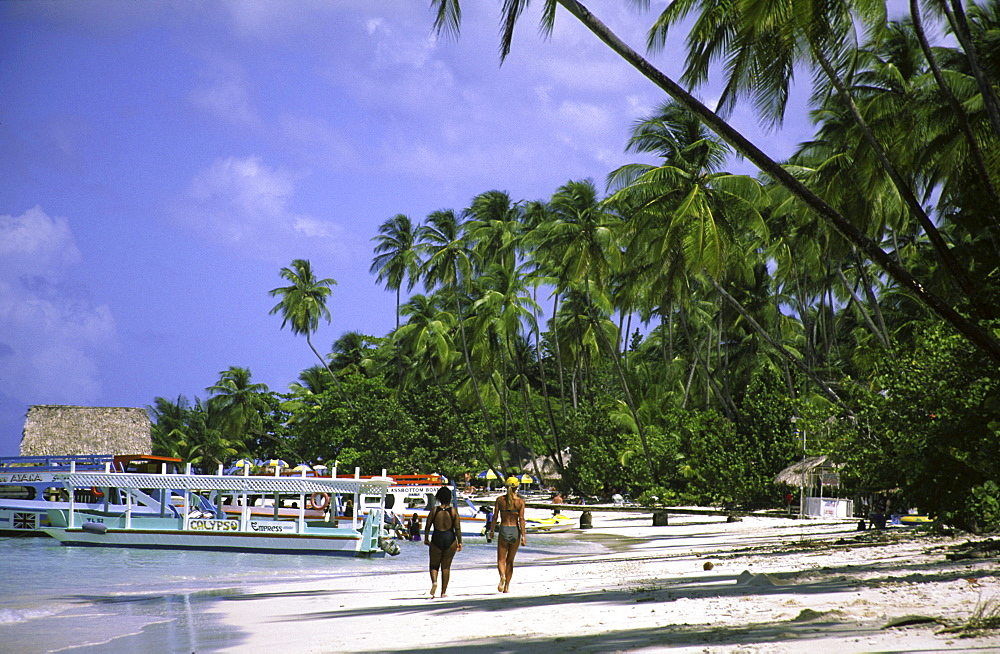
[[446, 539], [509, 515]]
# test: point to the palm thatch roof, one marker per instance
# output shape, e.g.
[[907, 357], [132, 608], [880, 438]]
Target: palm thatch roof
[[792, 475], [57, 430]]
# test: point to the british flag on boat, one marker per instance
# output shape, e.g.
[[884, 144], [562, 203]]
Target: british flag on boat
[[29, 488]]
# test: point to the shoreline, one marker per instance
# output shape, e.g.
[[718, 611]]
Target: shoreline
[[699, 584]]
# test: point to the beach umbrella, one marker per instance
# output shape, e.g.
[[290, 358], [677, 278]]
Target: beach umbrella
[[527, 479], [244, 463], [301, 467], [276, 463], [319, 468], [487, 474]]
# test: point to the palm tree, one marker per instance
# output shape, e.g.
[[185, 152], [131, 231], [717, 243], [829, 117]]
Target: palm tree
[[397, 259], [449, 18], [170, 432], [238, 407], [495, 226], [449, 265], [352, 353], [238, 402], [303, 304]]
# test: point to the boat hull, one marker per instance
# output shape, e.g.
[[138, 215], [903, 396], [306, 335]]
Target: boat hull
[[321, 544]]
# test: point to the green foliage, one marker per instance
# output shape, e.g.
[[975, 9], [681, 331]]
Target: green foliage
[[932, 431], [598, 446]]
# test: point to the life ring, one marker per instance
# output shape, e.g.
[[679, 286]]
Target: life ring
[[97, 493], [319, 501]]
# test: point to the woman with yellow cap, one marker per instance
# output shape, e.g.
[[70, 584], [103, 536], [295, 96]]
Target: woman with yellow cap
[[509, 515]]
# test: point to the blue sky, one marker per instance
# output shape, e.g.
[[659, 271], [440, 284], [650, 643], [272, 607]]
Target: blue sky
[[161, 161]]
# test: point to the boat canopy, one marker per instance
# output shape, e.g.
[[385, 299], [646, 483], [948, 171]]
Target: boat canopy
[[232, 483]]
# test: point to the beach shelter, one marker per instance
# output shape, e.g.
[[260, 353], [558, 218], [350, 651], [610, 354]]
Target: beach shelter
[[488, 475], [243, 466]]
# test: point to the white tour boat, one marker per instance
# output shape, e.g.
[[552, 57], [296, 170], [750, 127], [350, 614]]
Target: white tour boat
[[194, 527]]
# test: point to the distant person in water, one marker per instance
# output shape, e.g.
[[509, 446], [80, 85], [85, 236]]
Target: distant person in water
[[446, 540], [508, 516]]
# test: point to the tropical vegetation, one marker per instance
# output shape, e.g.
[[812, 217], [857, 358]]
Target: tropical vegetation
[[655, 332]]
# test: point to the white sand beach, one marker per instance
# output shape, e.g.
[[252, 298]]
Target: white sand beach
[[773, 585]]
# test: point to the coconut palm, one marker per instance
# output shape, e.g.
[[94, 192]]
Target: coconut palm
[[448, 17], [238, 402], [763, 40], [397, 260], [303, 305], [449, 265]]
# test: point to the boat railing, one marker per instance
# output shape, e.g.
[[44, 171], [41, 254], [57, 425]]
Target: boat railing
[[50, 463]]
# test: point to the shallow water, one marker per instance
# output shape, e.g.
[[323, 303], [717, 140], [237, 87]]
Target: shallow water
[[97, 599]]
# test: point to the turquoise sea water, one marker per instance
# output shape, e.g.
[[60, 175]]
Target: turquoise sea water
[[97, 599]]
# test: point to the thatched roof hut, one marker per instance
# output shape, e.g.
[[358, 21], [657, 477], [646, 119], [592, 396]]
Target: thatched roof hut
[[55, 430], [792, 475]]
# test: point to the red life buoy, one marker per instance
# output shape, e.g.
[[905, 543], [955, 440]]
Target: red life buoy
[[97, 493], [319, 501]]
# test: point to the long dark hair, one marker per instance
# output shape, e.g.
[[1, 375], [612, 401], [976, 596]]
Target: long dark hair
[[444, 495]]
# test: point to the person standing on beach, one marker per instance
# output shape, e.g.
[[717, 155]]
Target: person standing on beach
[[446, 540], [509, 516]]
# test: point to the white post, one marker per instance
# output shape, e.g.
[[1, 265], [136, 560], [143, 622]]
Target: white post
[[802, 476], [802, 500]]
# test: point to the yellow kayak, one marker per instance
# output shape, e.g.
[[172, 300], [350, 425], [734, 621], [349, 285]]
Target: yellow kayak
[[914, 520], [549, 525]]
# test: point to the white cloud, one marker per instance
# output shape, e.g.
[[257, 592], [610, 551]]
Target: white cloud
[[242, 203], [50, 334]]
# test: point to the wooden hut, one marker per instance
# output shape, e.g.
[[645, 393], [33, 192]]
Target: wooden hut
[[811, 476], [56, 430]]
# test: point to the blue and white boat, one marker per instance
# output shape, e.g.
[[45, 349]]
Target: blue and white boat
[[200, 522], [28, 488]]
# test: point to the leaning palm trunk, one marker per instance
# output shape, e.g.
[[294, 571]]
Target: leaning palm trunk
[[870, 294], [603, 340], [960, 25], [979, 337], [934, 236], [458, 414], [882, 338], [545, 395], [475, 383], [336, 381], [711, 386], [823, 386]]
